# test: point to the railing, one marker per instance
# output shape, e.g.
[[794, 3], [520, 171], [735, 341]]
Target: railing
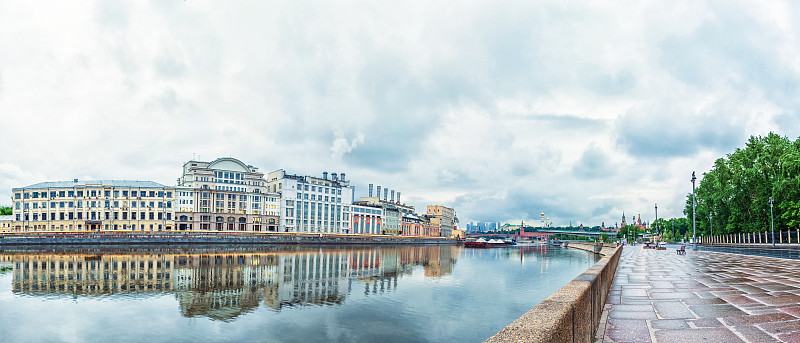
[[748, 238]]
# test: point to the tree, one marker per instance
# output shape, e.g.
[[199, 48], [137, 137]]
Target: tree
[[5, 211], [737, 189]]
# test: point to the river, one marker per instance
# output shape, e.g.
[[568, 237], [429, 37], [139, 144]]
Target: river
[[275, 293]]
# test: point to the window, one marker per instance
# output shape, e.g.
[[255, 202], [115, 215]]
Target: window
[[116, 194], [61, 194], [169, 194], [133, 194], [124, 193], [160, 194], [80, 194], [107, 194], [152, 194], [94, 193], [70, 194]]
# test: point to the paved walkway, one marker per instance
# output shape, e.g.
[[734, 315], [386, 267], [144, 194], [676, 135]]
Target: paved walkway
[[659, 296]]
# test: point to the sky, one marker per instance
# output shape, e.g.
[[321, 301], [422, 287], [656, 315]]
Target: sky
[[500, 109]]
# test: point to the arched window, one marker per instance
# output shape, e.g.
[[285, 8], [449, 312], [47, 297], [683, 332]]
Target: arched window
[[184, 218], [242, 220], [219, 219]]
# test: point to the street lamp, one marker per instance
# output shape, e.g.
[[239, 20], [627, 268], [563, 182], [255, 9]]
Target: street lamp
[[711, 223], [694, 226], [772, 221], [656, 222]]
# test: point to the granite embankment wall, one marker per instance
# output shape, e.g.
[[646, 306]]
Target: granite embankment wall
[[208, 238], [573, 312]]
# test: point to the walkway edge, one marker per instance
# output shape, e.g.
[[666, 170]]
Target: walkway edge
[[571, 314]]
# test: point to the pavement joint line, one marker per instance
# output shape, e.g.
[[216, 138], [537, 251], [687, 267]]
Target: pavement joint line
[[601, 327]]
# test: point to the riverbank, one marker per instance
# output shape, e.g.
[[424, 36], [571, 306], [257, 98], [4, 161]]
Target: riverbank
[[116, 238], [571, 314]]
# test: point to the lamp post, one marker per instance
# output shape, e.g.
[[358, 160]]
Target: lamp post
[[672, 226], [694, 226], [656, 222], [711, 223], [772, 221]]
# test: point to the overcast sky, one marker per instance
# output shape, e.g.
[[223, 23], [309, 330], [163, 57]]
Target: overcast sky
[[501, 109]]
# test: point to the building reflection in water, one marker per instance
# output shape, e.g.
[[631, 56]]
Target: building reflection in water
[[224, 285]]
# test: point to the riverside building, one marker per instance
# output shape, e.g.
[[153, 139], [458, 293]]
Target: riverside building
[[444, 217], [311, 204], [101, 205], [225, 195]]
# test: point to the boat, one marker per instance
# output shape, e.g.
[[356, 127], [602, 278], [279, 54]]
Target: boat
[[491, 243], [479, 243]]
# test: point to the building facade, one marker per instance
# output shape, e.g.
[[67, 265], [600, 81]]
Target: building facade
[[366, 219], [5, 223], [311, 204], [444, 217], [102, 205], [392, 212], [225, 195], [414, 225]]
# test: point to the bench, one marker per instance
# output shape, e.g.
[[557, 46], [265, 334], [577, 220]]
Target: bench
[[681, 251]]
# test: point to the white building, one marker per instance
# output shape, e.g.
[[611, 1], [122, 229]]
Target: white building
[[224, 195], [311, 204]]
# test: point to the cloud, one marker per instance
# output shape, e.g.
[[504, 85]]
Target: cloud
[[501, 109], [341, 145]]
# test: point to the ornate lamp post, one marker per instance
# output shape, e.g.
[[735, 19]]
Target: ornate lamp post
[[694, 226], [656, 222], [711, 223], [772, 221]]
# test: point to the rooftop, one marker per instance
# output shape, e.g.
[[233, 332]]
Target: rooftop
[[112, 183]]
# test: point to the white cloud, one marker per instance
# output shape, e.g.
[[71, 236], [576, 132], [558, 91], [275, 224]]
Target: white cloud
[[502, 109]]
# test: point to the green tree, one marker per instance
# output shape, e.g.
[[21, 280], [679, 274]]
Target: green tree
[[737, 189], [5, 211]]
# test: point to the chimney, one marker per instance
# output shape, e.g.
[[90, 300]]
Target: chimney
[[379, 193], [385, 194], [342, 177], [75, 181], [370, 190], [398, 197], [324, 175], [335, 176], [393, 195]]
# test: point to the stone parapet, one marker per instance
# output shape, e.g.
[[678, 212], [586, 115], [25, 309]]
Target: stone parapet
[[209, 238], [572, 313]]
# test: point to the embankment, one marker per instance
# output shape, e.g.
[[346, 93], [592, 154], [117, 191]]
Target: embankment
[[208, 238], [573, 312]]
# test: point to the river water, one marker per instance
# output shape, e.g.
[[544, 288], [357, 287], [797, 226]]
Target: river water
[[275, 294]]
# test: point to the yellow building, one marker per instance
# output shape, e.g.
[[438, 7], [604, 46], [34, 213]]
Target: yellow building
[[5, 223], [444, 217], [103, 205]]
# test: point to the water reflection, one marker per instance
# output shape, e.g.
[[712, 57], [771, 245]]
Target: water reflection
[[269, 293], [224, 285]]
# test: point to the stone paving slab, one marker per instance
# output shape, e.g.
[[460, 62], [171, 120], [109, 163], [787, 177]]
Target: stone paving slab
[[659, 296]]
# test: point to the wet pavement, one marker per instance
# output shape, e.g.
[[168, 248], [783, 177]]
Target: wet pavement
[[703, 296]]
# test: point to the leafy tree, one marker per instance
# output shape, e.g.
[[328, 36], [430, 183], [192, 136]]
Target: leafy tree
[[735, 193], [5, 211]]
